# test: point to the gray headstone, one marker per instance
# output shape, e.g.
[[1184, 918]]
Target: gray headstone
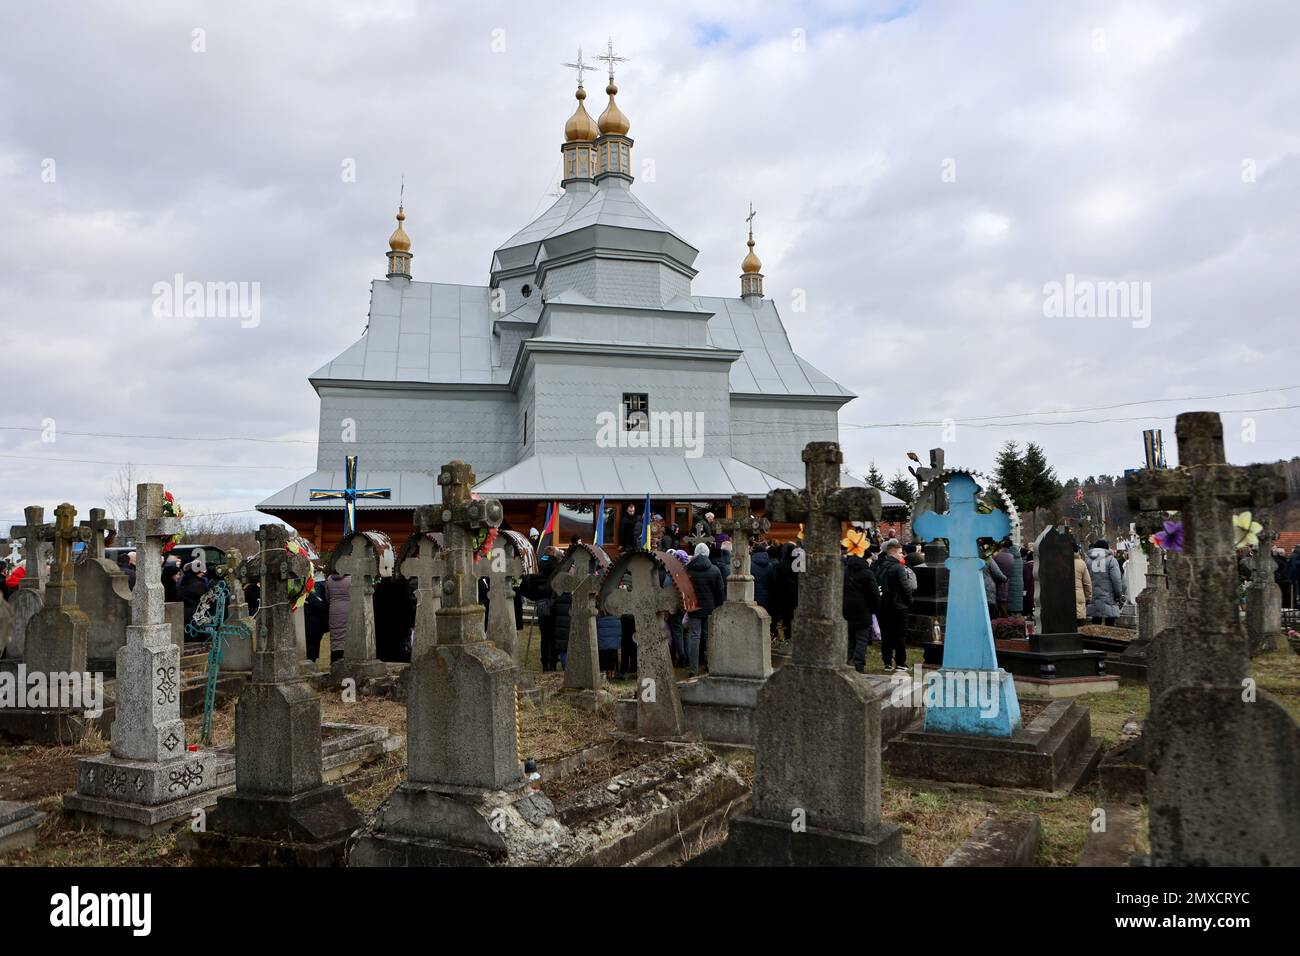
[[104, 593], [739, 632], [579, 575], [57, 635], [1207, 724]]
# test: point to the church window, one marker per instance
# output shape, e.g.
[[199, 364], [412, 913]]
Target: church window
[[636, 408]]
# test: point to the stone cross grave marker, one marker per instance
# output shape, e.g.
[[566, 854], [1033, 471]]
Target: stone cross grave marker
[[30, 596], [579, 575], [968, 637], [658, 704], [739, 643], [744, 527], [58, 634], [820, 634], [103, 591], [1264, 597], [501, 567], [360, 556], [147, 724], [700, 535], [1251, 815], [422, 561]]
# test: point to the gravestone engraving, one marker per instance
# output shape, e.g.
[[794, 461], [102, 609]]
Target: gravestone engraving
[[658, 703], [1198, 677]]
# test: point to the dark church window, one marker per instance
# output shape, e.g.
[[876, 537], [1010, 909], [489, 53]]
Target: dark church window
[[636, 408]]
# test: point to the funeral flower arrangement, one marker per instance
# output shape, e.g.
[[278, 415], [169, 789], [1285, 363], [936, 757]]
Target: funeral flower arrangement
[[171, 509]]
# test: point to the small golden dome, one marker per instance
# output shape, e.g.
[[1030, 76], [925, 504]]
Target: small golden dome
[[399, 241], [751, 263], [613, 120], [580, 128]]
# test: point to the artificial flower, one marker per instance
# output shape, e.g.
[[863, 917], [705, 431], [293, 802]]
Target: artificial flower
[[1171, 539], [1247, 528], [855, 542]]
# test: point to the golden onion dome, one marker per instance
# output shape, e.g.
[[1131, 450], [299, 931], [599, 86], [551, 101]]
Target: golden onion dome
[[751, 263], [580, 128], [399, 241], [613, 120]]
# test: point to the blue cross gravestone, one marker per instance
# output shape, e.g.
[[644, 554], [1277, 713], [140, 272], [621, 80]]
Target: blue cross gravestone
[[349, 494], [969, 657]]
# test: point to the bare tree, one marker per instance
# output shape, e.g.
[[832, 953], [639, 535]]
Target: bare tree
[[120, 500]]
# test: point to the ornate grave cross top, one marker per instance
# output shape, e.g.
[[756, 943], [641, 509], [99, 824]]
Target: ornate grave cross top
[[699, 535], [659, 708], [362, 565], [1206, 490], [422, 561], [34, 533], [499, 566], [229, 573], [150, 529], [822, 506], [460, 518], [102, 531], [275, 565], [65, 533], [349, 493], [924, 474], [581, 566], [744, 527]]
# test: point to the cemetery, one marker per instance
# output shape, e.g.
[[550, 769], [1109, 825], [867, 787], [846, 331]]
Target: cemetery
[[474, 631]]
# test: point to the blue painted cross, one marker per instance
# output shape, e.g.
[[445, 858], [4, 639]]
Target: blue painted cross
[[349, 493], [968, 634]]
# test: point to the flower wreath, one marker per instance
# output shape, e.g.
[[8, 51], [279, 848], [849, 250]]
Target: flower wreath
[[299, 591], [171, 509]]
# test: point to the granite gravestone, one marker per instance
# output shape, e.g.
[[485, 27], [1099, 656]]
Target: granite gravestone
[[465, 799], [148, 779], [365, 556], [579, 575], [421, 561], [103, 592], [502, 566], [658, 703], [817, 741], [1263, 596], [1199, 678], [281, 811]]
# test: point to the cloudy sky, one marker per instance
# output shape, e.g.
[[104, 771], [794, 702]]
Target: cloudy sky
[[923, 172]]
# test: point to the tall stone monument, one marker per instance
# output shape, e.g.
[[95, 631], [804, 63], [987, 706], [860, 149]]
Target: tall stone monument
[[281, 812], [817, 742], [465, 800], [720, 706], [579, 574], [1208, 723], [148, 779]]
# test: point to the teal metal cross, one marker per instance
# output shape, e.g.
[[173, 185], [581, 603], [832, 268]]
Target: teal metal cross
[[968, 647], [349, 493]]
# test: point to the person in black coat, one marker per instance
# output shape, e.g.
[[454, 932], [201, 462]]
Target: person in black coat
[[709, 593], [394, 604], [861, 601], [784, 590], [536, 587], [760, 566], [316, 619], [895, 599], [671, 539], [191, 589], [562, 610], [629, 530], [171, 574]]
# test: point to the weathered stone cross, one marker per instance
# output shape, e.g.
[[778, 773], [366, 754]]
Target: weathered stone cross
[[460, 619], [423, 562], [658, 706], [147, 724], [819, 628], [61, 590], [362, 565], [580, 578], [744, 527], [501, 567], [1207, 490], [276, 658], [34, 534], [102, 529], [150, 530], [700, 535]]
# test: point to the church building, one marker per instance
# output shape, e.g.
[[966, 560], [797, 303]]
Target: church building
[[584, 368]]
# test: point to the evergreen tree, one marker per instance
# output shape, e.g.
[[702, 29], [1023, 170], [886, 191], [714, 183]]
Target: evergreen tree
[[1041, 489], [1010, 472], [875, 479], [902, 487]]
